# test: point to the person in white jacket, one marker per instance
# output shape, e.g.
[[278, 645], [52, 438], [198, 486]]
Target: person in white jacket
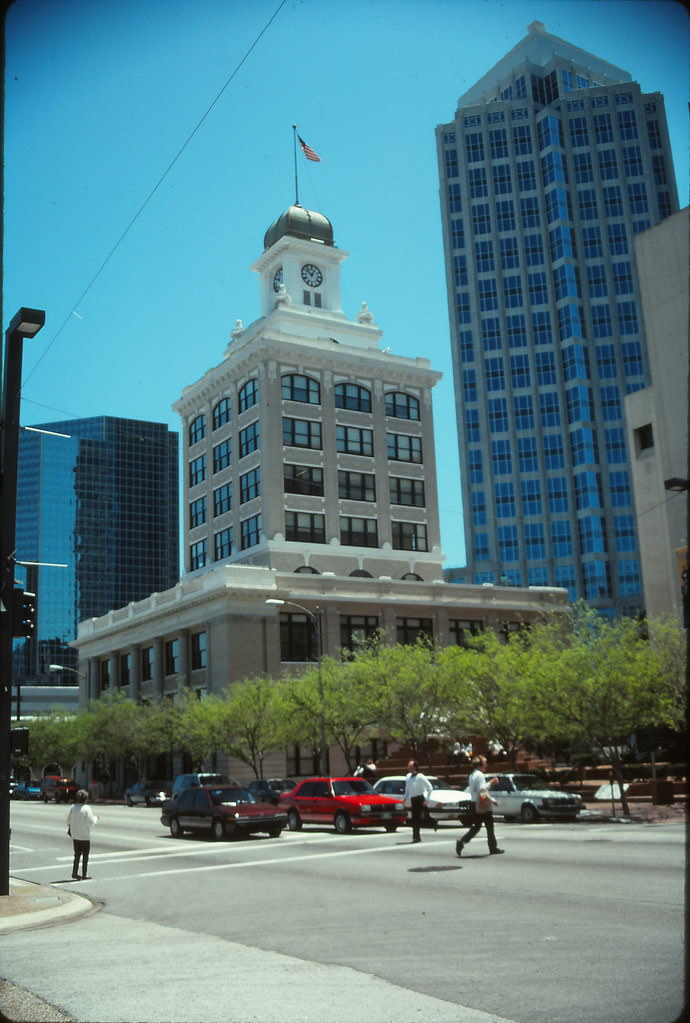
[[80, 820], [417, 788]]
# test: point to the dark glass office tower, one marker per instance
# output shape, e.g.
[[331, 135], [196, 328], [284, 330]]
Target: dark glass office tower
[[99, 496], [554, 161]]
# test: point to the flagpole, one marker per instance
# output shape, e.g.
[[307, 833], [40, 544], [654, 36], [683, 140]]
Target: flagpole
[[294, 146]]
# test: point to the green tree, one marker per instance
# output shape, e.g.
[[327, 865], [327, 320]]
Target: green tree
[[197, 726], [54, 738], [598, 683], [253, 721]]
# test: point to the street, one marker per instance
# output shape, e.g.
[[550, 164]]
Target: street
[[581, 921]]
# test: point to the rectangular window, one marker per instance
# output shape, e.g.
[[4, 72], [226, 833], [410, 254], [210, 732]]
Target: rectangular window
[[406, 492], [504, 496], [527, 454], [557, 488], [303, 479], [222, 500], [356, 486], [409, 630], [409, 536], [561, 539], [498, 415], [508, 547], [172, 656], [125, 675], [357, 630], [222, 455], [197, 512], [297, 638], [530, 491], [197, 470], [249, 439], [501, 458], [302, 433], [354, 441], [463, 630], [251, 531], [250, 485], [222, 544], [197, 555], [358, 532], [305, 527], [404, 448], [146, 662], [198, 650]]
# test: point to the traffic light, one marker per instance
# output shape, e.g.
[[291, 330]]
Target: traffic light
[[24, 622]]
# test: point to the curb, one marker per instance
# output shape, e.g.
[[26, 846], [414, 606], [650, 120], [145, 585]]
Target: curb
[[32, 905]]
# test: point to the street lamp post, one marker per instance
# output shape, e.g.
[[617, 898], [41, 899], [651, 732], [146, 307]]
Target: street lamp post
[[315, 618], [26, 324]]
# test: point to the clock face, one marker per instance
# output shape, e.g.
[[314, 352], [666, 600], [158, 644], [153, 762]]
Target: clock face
[[311, 275], [278, 279]]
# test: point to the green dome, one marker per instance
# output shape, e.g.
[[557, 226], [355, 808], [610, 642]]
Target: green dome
[[300, 223]]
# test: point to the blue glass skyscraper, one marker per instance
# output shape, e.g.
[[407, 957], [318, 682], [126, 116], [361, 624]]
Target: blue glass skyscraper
[[100, 497], [554, 161]]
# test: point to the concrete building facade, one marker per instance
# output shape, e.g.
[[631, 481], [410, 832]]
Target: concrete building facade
[[657, 417]]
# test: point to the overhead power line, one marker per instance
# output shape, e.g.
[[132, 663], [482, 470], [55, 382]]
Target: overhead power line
[[155, 188]]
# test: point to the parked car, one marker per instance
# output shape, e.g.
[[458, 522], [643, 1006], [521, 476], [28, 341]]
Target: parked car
[[528, 797], [344, 802], [27, 790], [269, 790], [62, 790], [148, 793], [223, 811], [445, 804], [186, 781]]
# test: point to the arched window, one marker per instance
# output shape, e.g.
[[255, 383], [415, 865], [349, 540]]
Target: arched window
[[412, 577], [297, 387], [401, 405], [249, 394], [221, 413], [306, 570], [359, 573], [197, 429], [352, 396]]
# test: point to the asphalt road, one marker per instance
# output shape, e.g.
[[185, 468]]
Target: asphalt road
[[576, 922]]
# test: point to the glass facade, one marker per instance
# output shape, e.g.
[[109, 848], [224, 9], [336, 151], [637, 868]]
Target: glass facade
[[102, 502], [544, 185]]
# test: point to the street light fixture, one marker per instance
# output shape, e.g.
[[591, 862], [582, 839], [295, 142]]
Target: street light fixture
[[25, 324], [315, 618], [676, 484]]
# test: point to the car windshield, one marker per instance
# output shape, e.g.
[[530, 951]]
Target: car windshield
[[528, 782], [222, 796], [351, 787]]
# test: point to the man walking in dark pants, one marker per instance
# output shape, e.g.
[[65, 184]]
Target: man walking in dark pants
[[417, 788], [483, 807]]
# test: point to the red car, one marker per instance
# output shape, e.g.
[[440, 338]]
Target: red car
[[62, 790], [344, 802], [222, 811]]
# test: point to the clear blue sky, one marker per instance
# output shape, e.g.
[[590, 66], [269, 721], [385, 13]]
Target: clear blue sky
[[101, 96]]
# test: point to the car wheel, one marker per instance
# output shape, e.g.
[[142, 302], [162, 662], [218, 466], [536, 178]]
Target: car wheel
[[128, 800], [391, 827], [529, 813], [217, 828], [175, 829], [275, 832], [342, 823], [294, 821]]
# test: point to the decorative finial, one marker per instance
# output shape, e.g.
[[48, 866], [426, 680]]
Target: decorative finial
[[364, 316]]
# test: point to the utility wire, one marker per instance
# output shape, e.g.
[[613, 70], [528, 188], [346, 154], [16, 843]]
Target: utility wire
[[153, 191]]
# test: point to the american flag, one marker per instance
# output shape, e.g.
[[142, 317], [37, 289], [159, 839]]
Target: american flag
[[308, 151]]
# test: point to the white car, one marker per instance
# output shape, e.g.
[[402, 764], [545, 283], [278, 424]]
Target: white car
[[443, 804], [528, 797]]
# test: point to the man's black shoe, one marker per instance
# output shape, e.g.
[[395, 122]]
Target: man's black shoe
[[495, 852], [459, 845]]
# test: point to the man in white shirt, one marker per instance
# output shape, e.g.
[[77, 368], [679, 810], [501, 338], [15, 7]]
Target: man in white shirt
[[483, 807], [417, 788], [80, 820]]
